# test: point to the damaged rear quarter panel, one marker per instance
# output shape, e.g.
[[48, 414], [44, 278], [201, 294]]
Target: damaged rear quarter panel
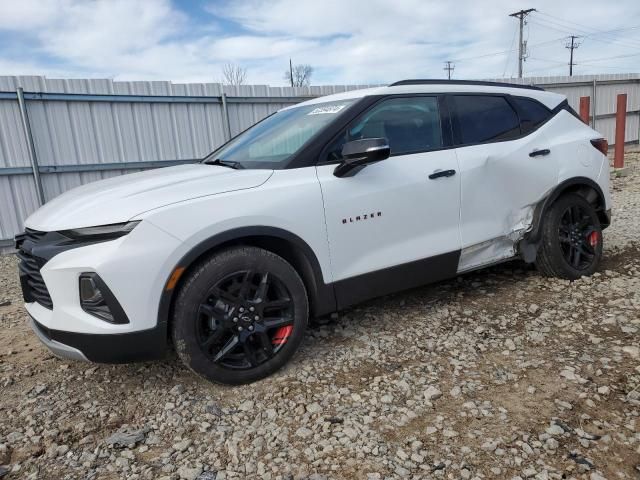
[[576, 157]]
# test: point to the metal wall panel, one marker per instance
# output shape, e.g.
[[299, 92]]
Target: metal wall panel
[[87, 132]]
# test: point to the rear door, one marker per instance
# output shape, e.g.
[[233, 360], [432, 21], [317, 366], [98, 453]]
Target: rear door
[[505, 170], [391, 226]]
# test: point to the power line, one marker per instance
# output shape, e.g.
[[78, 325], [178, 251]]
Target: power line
[[588, 36], [614, 42], [554, 64], [572, 46], [591, 33], [595, 31], [561, 65], [506, 62], [559, 28], [492, 54], [522, 46], [482, 56], [449, 67], [611, 58]]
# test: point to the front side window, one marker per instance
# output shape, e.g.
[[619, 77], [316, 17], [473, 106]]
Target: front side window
[[484, 118], [410, 125], [272, 142]]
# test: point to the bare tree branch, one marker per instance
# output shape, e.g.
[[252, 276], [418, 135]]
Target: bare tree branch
[[301, 75], [233, 74]]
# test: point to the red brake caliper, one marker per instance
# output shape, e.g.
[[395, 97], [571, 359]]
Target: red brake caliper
[[594, 238], [282, 335]]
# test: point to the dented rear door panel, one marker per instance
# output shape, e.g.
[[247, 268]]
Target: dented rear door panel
[[501, 185]]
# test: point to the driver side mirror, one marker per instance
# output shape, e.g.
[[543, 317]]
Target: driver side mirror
[[360, 153]]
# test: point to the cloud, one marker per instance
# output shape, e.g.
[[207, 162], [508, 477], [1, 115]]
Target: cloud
[[24, 15], [346, 41]]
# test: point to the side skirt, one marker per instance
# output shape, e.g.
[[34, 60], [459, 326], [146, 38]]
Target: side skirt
[[395, 279], [487, 253]]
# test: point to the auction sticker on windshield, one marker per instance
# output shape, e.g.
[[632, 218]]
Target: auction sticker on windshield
[[328, 109]]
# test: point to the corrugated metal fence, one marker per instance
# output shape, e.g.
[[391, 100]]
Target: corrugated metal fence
[[86, 130]]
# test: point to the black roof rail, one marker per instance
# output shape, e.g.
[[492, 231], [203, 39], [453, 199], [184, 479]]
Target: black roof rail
[[463, 82]]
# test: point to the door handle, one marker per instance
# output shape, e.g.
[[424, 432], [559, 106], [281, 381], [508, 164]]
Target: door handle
[[538, 153], [442, 173]]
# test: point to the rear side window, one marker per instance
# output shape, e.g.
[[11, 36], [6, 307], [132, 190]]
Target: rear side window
[[481, 119], [532, 113]]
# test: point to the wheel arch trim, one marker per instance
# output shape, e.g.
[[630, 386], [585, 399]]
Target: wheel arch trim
[[321, 294], [534, 234]]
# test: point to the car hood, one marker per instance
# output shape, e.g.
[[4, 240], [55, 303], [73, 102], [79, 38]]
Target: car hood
[[121, 198]]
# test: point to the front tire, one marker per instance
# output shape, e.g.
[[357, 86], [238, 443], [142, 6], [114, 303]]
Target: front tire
[[240, 315], [571, 244]]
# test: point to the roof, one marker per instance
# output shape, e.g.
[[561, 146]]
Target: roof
[[549, 99]]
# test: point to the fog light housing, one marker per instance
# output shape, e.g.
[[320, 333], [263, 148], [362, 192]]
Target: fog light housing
[[96, 299]]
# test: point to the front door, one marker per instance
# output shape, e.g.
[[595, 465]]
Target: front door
[[395, 224]]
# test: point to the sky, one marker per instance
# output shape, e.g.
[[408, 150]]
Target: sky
[[345, 41]]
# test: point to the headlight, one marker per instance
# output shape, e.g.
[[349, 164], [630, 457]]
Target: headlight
[[102, 232]]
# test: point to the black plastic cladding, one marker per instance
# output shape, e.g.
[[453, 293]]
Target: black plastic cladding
[[324, 295], [533, 235]]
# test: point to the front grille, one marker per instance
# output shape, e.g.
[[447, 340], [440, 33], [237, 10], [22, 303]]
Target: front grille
[[33, 286]]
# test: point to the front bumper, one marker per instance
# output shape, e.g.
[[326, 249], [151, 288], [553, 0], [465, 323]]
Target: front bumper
[[104, 348], [133, 268], [60, 350]]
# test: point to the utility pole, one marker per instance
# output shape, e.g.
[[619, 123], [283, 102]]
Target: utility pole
[[449, 68], [522, 47], [572, 46], [291, 71]]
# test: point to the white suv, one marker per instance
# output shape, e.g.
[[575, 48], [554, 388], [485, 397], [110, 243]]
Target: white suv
[[317, 207]]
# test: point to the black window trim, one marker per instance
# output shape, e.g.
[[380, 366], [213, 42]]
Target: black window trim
[[564, 105], [445, 126]]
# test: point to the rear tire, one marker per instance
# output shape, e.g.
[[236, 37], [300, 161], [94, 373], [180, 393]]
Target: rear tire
[[240, 315], [571, 244]]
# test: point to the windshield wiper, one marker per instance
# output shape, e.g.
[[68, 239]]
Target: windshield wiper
[[225, 163]]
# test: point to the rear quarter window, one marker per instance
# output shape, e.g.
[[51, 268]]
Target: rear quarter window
[[484, 118], [532, 113]]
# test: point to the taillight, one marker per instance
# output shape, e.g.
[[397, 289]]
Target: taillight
[[601, 144]]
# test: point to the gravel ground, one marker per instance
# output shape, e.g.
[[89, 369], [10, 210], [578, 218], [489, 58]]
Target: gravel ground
[[495, 374]]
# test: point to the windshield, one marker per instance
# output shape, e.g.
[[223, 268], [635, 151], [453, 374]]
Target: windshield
[[273, 141]]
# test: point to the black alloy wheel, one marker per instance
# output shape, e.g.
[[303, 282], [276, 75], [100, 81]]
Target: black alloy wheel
[[239, 315], [571, 243], [578, 237], [245, 319]]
